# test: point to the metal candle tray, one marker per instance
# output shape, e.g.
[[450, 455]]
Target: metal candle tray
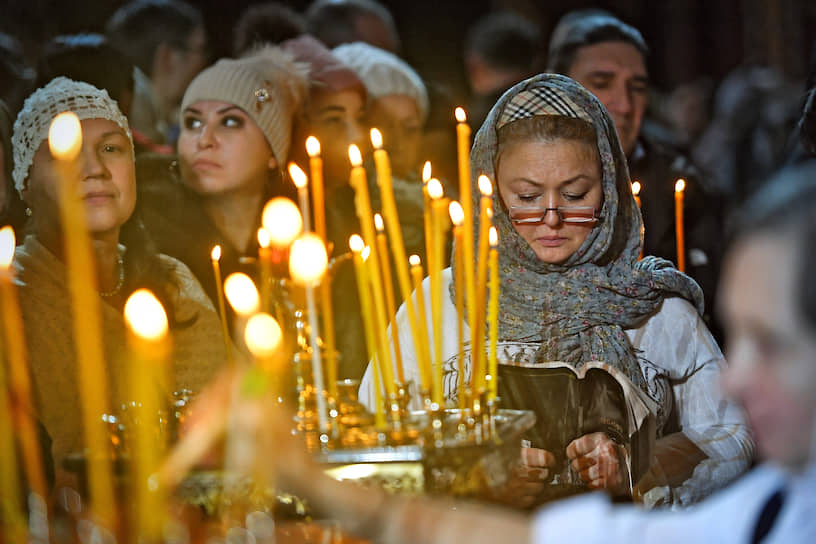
[[456, 461]]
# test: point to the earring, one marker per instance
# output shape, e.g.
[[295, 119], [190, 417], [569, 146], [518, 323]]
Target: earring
[[28, 212]]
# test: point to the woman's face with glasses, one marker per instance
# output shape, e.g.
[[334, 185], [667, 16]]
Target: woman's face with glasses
[[553, 193]]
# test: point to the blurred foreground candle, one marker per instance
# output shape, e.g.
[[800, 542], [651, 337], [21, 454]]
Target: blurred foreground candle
[[302, 183], [13, 528], [439, 216], [147, 323], [423, 346], [493, 314], [358, 249], [282, 220], [215, 257], [265, 265], [388, 284], [316, 172], [65, 143], [679, 188], [308, 262], [19, 382], [457, 218], [242, 294], [362, 203]]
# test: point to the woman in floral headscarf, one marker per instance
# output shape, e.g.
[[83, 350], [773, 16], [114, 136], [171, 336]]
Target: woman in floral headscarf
[[573, 290]]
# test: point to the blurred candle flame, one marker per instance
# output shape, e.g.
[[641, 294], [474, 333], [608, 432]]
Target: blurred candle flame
[[680, 186], [426, 172], [354, 155], [263, 237], [65, 136], [7, 243], [378, 222], [356, 243], [312, 146], [263, 335], [242, 294], [215, 254], [636, 188], [435, 188], [485, 187], [282, 221], [145, 315], [493, 237], [298, 176], [414, 260], [457, 214], [376, 138], [308, 259], [461, 117]]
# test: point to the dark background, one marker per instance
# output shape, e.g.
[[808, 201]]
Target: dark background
[[688, 38]]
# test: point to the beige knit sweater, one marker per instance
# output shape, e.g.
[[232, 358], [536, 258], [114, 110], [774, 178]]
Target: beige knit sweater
[[197, 353]]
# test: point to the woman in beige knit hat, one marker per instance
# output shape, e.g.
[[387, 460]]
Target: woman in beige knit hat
[[236, 133]]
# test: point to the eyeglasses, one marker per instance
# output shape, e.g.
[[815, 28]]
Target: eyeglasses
[[521, 215]]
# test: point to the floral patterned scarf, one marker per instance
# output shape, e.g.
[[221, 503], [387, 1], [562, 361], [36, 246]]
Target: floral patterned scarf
[[578, 310]]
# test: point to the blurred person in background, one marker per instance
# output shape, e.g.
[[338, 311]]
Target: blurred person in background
[[335, 22], [269, 23], [608, 57], [167, 43]]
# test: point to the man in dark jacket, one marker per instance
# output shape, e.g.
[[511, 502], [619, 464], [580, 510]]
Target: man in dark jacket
[[608, 57]]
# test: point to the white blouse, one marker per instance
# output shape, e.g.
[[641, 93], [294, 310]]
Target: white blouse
[[679, 359]]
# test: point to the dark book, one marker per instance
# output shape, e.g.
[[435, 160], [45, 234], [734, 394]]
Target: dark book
[[570, 403]]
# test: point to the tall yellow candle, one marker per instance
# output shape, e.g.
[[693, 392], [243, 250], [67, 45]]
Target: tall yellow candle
[[478, 328], [388, 284], [457, 218], [679, 188], [19, 382], [316, 172], [493, 314], [423, 347], [439, 217], [362, 203], [636, 193], [65, 143], [392, 223], [357, 247], [326, 308], [147, 339], [308, 262], [466, 199]]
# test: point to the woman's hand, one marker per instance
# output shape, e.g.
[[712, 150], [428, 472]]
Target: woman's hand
[[595, 458], [528, 478]]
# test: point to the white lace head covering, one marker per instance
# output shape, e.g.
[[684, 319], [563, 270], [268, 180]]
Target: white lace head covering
[[59, 95]]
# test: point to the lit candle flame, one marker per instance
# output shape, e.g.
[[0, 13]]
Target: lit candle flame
[[461, 117], [65, 136], [680, 186], [145, 315], [308, 259], [426, 171], [376, 138], [298, 176], [414, 260], [263, 238], [215, 254], [636, 188], [493, 237], [485, 187], [365, 253], [378, 222], [242, 294], [263, 335], [7, 243], [282, 221], [312, 146], [354, 155], [435, 188], [356, 243], [457, 214]]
